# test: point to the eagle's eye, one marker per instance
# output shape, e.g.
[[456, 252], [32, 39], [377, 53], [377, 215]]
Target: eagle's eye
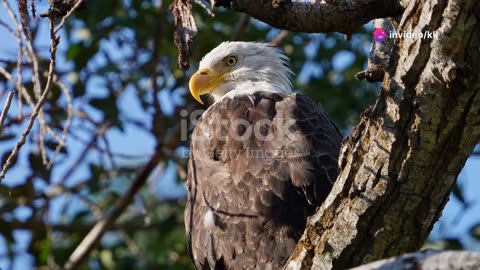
[[231, 60]]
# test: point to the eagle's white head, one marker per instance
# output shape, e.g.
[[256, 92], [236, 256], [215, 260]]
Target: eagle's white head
[[241, 68]]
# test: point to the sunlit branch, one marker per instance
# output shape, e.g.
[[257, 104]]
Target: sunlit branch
[[91, 239], [6, 107], [95, 234], [64, 18], [53, 48]]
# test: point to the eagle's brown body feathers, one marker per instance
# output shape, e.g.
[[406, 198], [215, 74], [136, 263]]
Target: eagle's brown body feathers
[[249, 196]]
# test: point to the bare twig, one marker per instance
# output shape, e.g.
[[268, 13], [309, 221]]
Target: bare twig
[[83, 154], [241, 27], [61, 9], [281, 37], [24, 19], [157, 119], [26, 49], [33, 9], [108, 152], [18, 37], [21, 117], [22, 91], [19, 75], [51, 264], [31, 53], [41, 140], [68, 121], [60, 189], [131, 245], [12, 15], [64, 18], [6, 107], [39, 226], [9, 29], [53, 48], [207, 9], [92, 238]]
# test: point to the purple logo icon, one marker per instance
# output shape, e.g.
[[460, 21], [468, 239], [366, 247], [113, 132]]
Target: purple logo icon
[[379, 34]]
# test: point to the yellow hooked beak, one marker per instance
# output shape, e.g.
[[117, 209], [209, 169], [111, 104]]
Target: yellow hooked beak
[[203, 82]]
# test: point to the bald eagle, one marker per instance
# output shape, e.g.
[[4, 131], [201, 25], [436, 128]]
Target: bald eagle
[[261, 160]]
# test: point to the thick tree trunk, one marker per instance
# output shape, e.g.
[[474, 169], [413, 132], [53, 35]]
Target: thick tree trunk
[[399, 166]]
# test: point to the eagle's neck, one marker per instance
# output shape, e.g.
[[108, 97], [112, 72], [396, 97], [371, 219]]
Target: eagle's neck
[[231, 89]]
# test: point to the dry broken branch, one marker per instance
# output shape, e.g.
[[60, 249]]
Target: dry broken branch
[[380, 52], [185, 30]]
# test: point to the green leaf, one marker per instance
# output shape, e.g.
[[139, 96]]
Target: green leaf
[[52, 145], [475, 232], [6, 231], [6, 137], [454, 243], [109, 108], [6, 155], [38, 168], [457, 192], [24, 191], [96, 174], [74, 51]]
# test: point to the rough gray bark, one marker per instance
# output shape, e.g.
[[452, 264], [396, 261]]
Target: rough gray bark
[[428, 260], [343, 16], [399, 166]]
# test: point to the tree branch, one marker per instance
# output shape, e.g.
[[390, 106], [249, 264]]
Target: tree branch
[[399, 166], [40, 226], [71, 10], [163, 148], [315, 16], [379, 56], [185, 30], [54, 41], [6, 107], [428, 260], [281, 37], [241, 27], [96, 233]]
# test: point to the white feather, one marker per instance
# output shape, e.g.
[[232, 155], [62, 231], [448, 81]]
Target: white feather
[[209, 219]]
